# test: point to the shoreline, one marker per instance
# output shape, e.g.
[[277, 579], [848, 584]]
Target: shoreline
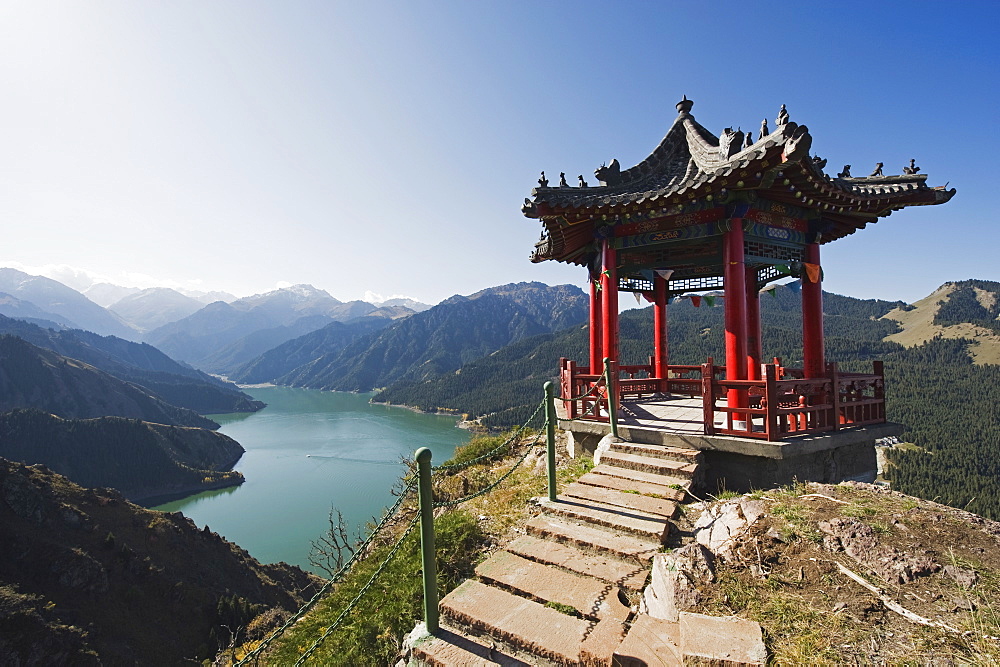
[[168, 496]]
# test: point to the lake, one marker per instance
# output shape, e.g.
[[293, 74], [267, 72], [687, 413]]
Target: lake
[[306, 451]]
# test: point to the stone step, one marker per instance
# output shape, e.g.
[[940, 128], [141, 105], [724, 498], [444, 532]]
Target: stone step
[[658, 451], [624, 546], [727, 640], [590, 597], [659, 506], [640, 476], [630, 576], [650, 641], [522, 624], [451, 647], [649, 464], [647, 526], [598, 478]]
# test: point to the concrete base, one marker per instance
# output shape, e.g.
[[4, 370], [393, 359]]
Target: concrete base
[[739, 464]]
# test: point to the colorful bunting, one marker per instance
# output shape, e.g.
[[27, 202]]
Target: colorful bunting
[[696, 301], [665, 273], [638, 298], [709, 301]]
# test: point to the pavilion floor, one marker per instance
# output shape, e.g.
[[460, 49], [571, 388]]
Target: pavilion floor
[[674, 414]]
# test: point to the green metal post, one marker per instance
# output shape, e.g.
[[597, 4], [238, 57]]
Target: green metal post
[[612, 398], [550, 438], [427, 556]]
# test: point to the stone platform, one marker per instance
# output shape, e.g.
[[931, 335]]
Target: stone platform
[[739, 464]]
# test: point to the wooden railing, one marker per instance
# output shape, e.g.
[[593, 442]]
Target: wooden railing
[[780, 405]]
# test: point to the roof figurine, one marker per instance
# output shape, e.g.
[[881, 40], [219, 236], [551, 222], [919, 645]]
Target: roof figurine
[[562, 180], [877, 172], [782, 116], [543, 182], [748, 142], [611, 174], [583, 183], [819, 162], [763, 130], [846, 173], [912, 169]]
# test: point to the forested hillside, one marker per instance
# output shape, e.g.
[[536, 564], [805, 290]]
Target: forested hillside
[[32, 377], [87, 578], [140, 364], [139, 459]]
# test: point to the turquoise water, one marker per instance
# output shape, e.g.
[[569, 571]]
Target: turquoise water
[[306, 451]]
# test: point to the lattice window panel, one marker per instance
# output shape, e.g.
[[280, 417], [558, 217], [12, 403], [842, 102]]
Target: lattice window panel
[[756, 248], [634, 284], [695, 284]]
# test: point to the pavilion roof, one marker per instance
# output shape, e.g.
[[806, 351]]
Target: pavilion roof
[[691, 163]]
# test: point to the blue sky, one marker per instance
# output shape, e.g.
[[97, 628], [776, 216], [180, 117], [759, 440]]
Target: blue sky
[[387, 146]]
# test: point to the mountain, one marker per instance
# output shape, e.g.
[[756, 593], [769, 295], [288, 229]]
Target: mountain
[[105, 294], [197, 337], [296, 352], [221, 337], [405, 302], [140, 364], [11, 306], [87, 578], [64, 302], [151, 308], [443, 338], [139, 459], [968, 310], [33, 377]]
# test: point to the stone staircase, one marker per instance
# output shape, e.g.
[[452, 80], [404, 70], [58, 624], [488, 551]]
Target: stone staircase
[[563, 593]]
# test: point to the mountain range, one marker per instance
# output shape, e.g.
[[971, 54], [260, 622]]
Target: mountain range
[[436, 341], [33, 377], [139, 364]]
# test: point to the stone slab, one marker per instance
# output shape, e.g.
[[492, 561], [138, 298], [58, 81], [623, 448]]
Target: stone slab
[[647, 526], [658, 451], [521, 623], [723, 638], [630, 576], [665, 508], [639, 475], [656, 466], [453, 648], [650, 641], [624, 546], [625, 484], [591, 597]]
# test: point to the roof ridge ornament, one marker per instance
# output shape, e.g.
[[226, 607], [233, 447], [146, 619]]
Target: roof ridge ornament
[[684, 106], [782, 116]]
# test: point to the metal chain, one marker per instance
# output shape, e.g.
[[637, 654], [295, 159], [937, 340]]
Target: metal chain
[[364, 589], [493, 485], [389, 514]]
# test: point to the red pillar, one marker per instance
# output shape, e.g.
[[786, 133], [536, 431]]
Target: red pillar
[[660, 326], [596, 338], [736, 323], [609, 301], [813, 362], [753, 325]]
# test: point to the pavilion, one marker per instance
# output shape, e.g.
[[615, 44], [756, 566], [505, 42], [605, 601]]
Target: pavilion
[[705, 213]]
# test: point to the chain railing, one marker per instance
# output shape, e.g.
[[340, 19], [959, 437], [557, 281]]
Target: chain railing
[[423, 480]]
